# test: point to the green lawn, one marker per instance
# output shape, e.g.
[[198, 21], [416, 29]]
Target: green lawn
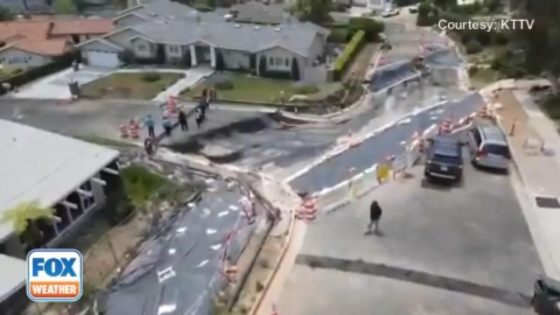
[[484, 77], [130, 85], [142, 185], [242, 87]]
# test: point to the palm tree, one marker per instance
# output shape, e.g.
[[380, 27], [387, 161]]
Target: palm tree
[[23, 218]]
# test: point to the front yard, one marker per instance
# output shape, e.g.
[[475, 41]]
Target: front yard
[[247, 88], [144, 85]]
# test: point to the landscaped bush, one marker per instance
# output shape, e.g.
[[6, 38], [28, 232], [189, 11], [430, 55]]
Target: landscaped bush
[[224, 85], [552, 107], [473, 47], [473, 70], [306, 89], [348, 54], [151, 77]]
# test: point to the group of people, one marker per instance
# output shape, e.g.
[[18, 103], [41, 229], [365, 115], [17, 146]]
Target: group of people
[[168, 123]]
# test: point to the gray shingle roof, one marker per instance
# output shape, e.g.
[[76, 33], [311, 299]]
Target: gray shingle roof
[[297, 37], [256, 12]]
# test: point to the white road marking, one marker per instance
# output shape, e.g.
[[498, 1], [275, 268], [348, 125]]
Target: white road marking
[[166, 274], [172, 251], [223, 213], [216, 247], [166, 309], [233, 207], [181, 230], [202, 263], [210, 231], [206, 212]]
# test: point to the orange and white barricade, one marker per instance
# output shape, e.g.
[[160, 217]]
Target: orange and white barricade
[[123, 131], [307, 211], [230, 272], [248, 206], [172, 105], [482, 112], [134, 129]]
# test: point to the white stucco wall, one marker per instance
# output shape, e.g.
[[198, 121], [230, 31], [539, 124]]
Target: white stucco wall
[[143, 49], [234, 59], [276, 59], [20, 59]]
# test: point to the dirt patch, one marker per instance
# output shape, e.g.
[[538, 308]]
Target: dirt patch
[[358, 69]]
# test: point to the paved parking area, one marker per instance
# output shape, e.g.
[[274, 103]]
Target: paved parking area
[[55, 86], [464, 250]]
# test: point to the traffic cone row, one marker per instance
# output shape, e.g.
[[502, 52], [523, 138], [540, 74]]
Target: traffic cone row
[[230, 272], [123, 131], [307, 211], [172, 105]]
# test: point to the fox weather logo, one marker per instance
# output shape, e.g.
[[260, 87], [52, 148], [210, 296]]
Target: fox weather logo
[[55, 275]]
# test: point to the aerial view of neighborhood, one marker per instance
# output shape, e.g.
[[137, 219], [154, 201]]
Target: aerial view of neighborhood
[[279, 157]]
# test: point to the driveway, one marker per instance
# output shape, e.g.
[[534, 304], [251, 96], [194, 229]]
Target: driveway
[[55, 86], [464, 250]]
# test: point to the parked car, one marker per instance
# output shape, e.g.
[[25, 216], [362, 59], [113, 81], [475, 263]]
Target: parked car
[[390, 13], [546, 296], [489, 147], [444, 158]]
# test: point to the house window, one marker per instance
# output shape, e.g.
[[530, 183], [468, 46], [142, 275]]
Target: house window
[[278, 61], [287, 62], [271, 61], [87, 202], [141, 47]]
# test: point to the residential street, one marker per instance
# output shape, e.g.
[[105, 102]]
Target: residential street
[[462, 250]]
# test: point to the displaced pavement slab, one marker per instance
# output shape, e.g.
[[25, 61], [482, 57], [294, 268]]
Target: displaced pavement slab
[[462, 250]]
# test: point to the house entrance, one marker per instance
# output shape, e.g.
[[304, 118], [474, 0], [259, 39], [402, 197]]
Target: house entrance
[[202, 54]]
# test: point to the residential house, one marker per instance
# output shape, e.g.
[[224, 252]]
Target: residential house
[[29, 43], [172, 33]]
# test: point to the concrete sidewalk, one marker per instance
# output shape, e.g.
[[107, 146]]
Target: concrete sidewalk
[[539, 172]]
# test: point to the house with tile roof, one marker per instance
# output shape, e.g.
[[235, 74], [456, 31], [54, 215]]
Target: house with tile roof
[[171, 33], [28, 43]]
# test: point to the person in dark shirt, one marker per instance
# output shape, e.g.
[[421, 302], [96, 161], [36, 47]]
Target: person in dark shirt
[[183, 120], [375, 213]]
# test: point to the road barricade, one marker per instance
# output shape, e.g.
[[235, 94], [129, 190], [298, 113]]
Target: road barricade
[[365, 182], [307, 211], [333, 198]]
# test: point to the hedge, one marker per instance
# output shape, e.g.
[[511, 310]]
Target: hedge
[[22, 78], [348, 54]]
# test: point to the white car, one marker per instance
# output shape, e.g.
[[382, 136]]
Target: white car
[[390, 13]]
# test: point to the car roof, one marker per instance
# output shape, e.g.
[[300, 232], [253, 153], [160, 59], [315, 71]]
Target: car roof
[[492, 135], [446, 145]]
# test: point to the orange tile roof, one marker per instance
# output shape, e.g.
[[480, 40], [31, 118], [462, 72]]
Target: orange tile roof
[[82, 26], [33, 37]]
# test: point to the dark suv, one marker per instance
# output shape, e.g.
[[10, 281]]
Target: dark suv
[[444, 158]]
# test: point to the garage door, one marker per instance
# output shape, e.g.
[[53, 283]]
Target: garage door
[[103, 59]]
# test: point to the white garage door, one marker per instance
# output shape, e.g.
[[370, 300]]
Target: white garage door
[[103, 59]]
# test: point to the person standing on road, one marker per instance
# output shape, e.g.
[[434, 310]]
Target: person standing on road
[[375, 213], [167, 125], [149, 122], [183, 120]]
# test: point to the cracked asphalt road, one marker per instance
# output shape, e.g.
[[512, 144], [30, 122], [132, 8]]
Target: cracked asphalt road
[[464, 250]]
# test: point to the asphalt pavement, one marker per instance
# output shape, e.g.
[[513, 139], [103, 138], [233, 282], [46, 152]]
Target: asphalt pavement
[[376, 149], [178, 269], [464, 250]]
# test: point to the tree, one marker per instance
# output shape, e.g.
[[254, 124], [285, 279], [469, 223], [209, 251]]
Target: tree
[[427, 15], [219, 61], [316, 11], [371, 27], [6, 14], [295, 69], [65, 7], [262, 66], [23, 219]]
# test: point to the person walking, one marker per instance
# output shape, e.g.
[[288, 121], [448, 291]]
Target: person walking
[[149, 123], [149, 146], [375, 213], [183, 120], [167, 125]]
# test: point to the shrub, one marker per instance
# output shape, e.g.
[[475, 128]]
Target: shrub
[[348, 54], [126, 56], [473, 47], [371, 27], [499, 38], [473, 70], [306, 89], [151, 77], [224, 85]]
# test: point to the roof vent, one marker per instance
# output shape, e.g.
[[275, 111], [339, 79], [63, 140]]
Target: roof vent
[[257, 27], [153, 14], [237, 26], [277, 29]]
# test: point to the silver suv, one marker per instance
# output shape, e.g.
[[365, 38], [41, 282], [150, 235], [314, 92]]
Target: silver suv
[[488, 147]]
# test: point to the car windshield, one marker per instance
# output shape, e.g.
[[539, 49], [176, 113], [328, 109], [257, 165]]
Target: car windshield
[[447, 159], [497, 150]]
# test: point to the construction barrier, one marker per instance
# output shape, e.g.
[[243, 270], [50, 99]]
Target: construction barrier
[[333, 198], [307, 210], [123, 131], [364, 182], [134, 129]]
